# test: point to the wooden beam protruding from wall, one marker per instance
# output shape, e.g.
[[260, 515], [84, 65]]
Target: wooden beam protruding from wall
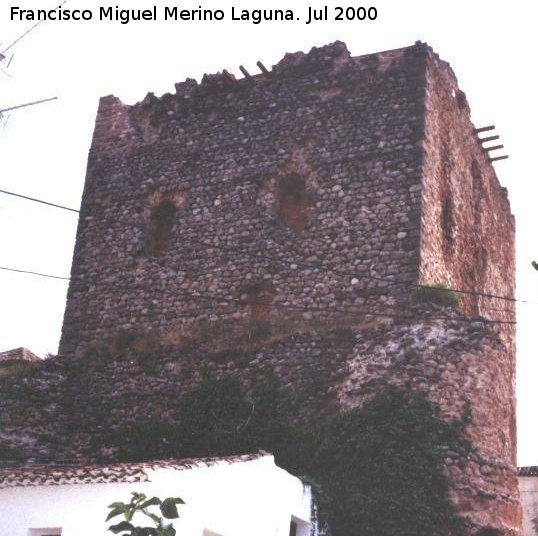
[[489, 138], [484, 129], [495, 158], [247, 75], [262, 68]]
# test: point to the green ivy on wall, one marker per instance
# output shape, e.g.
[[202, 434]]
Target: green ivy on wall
[[376, 470], [381, 466]]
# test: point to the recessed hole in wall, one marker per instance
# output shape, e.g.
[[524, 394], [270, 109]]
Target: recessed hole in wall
[[446, 165], [476, 174], [292, 201], [447, 221], [259, 296], [461, 99], [483, 260], [160, 226], [489, 532]]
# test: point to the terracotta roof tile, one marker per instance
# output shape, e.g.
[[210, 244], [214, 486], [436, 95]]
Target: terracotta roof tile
[[18, 354], [530, 470], [51, 475]]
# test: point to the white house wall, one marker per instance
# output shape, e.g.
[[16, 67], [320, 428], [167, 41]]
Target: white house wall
[[237, 499], [528, 489]]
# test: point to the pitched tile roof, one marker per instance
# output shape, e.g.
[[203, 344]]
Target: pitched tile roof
[[530, 470], [51, 475], [18, 354]]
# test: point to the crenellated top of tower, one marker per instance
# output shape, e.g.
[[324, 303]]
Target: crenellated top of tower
[[329, 58], [326, 68], [323, 71]]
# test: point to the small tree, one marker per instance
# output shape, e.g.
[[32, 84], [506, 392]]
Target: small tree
[[140, 504]]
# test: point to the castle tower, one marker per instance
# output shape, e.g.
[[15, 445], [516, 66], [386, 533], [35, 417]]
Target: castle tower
[[321, 184], [326, 185]]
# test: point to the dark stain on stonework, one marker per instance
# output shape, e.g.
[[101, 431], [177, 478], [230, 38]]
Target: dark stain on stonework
[[260, 296], [447, 222], [160, 230], [292, 202]]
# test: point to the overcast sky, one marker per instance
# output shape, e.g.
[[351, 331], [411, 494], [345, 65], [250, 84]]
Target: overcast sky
[[491, 46]]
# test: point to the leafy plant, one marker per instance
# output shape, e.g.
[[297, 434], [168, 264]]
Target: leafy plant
[[440, 293], [140, 504]]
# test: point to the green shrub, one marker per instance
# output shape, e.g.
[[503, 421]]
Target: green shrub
[[440, 294]]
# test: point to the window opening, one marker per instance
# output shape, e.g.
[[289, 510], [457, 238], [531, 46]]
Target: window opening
[[292, 201], [161, 223]]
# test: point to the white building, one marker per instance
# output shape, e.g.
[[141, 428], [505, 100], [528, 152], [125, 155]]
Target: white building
[[528, 491], [235, 496]]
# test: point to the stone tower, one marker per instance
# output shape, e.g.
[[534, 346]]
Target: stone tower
[[319, 184], [325, 186]]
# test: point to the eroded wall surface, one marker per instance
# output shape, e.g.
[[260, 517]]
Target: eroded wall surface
[[468, 230], [467, 241], [69, 406], [296, 202], [299, 189]]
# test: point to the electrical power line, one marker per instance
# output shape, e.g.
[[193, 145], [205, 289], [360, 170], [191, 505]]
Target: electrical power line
[[356, 275], [346, 310], [38, 201], [236, 249], [5, 268], [299, 308]]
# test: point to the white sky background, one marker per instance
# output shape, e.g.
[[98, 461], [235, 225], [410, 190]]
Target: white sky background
[[491, 45]]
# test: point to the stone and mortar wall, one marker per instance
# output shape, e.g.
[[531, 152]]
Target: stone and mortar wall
[[455, 365], [467, 241], [467, 228], [62, 411], [222, 152], [379, 143]]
